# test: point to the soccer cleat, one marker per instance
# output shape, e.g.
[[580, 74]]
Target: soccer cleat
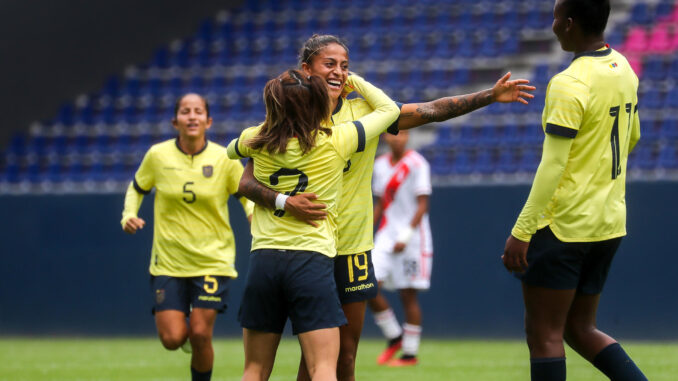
[[186, 346], [390, 351], [404, 360]]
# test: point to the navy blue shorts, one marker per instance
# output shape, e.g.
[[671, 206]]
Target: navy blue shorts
[[354, 275], [290, 284], [173, 293], [568, 265]]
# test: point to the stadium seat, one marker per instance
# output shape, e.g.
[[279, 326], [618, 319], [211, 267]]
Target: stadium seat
[[651, 99], [636, 40], [660, 40], [414, 53], [654, 66], [641, 14]]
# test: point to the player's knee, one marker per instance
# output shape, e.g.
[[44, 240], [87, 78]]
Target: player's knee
[[542, 339], [345, 366], [201, 337], [577, 333], [171, 341]]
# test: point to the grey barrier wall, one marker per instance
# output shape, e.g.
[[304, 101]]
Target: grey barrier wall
[[66, 267]]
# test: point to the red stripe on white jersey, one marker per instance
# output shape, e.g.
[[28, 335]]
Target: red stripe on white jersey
[[392, 187]]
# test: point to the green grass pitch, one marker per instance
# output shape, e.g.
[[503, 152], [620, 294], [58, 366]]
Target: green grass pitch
[[145, 359]]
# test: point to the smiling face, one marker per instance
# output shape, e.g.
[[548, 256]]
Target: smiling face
[[331, 64], [191, 119]]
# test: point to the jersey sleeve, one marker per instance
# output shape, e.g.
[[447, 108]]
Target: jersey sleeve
[[393, 128], [422, 184], [635, 129], [144, 178], [133, 201], [566, 101], [237, 149], [350, 137], [555, 155]]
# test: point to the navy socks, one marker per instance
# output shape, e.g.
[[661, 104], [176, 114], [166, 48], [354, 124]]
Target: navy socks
[[548, 369], [617, 365]]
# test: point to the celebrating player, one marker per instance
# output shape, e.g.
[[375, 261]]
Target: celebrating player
[[193, 255], [327, 56], [566, 236], [291, 264], [403, 247]]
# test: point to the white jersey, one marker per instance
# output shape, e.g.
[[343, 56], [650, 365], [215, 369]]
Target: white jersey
[[398, 185]]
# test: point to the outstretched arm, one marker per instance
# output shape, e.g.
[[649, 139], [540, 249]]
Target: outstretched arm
[[504, 91], [300, 206]]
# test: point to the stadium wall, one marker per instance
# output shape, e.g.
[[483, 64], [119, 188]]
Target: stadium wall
[[66, 267]]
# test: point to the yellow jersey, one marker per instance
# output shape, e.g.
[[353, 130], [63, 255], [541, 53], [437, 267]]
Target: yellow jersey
[[594, 101], [355, 220], [192, 235], [319, 171]]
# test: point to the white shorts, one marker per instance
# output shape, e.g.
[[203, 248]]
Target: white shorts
[[410, 268]]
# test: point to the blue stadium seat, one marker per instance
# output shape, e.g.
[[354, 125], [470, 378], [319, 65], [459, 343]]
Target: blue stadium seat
[[654, 68], [529, 160], [488, 48], [511, 19], [663, 8], [461, 162], [671, 99], [510, 45], [668, 157], [651, 99], [541, 74], [507, 162], [483, 162], [669, 130], [641, 14], [673, 68]]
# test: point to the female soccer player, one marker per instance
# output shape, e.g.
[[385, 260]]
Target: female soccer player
[[193, 255], [565, 238], [327, 56], [291, 264]]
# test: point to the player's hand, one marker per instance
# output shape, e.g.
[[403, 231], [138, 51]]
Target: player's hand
[[506, 91], [302, 207], [515, 254], [348, 88], [399, 247], [134, 224]]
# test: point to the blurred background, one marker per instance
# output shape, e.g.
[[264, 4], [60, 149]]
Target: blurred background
[[88, 87]]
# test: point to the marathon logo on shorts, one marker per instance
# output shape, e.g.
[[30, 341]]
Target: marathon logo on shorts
[[207, 170], [360, 287], [210, 298], [159, 296]]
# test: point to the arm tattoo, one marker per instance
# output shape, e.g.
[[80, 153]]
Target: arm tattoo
[[258, 193], [451, 107]]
